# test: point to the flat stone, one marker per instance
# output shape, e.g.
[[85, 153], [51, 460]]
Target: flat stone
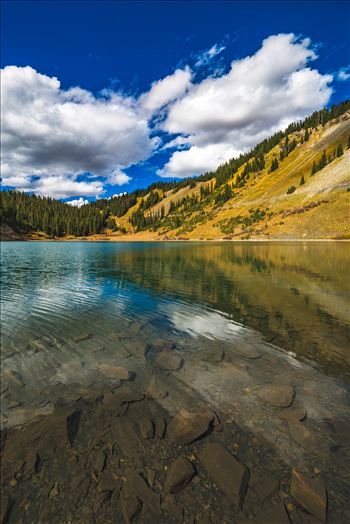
[[128, 394], [156, 390], [128, 440], [179, 475], [293, 414], [116, 372], [187, 427], [228, 473], [108, 481], [311, 494], [168, 360], [247, 350], [162, 343], [146, 428], [212, 354], [276, 395], [265, 486], [149, 498], [302, 435]]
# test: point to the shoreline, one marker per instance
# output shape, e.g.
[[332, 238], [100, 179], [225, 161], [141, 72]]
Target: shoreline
[[147, 240]]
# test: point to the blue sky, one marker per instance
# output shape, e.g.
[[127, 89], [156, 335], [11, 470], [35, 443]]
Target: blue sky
[[117, 131]]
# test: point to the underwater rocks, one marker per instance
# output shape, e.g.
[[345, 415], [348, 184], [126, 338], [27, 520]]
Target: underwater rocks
[[311, 494], [179, 475], [168, 360], [186, 427], [116, 372], [228, 473], [276, 395]]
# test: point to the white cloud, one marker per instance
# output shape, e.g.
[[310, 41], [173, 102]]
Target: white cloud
[[205, 57], [259, 95], [60, 186], [118, 178], [57, 134], [344, 74], [166, 90], [117, 195], [78, 202], [71, 143]]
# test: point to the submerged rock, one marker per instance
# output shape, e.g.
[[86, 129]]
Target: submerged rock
[[168, 360], [186, 426], [156, 390], [116, 372], [276, 395], [302, 435], [180, 474], [228, 473], [311, 494]]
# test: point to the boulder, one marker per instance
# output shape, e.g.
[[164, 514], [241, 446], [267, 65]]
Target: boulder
[[302, 435], [187, 427], [276, 395], [116, 372], [228, 473], [168, 360], [311, 494], [156, 390], [179, 475]]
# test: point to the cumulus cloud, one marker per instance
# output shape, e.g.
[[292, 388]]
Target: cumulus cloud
[[56, 135], [166, 90], [118, 178], [259, 95], [72, 143], [78, 202]]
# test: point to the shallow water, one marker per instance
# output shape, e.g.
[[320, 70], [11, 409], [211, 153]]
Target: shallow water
[[240, 315], [296, 294]]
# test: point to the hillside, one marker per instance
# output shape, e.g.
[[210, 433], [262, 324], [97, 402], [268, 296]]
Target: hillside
[[295, 185]]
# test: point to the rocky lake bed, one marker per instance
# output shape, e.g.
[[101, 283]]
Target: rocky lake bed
[[147, 427]]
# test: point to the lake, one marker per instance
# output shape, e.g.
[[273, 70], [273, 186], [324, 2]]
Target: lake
[[221, 326]]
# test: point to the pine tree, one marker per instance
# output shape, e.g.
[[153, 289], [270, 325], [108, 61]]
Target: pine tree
[[306, 135], [302, 180], [274, 164], [340, 151]]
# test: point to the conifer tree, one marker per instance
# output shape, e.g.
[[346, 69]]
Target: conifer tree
[[302, 180], [340, 151]]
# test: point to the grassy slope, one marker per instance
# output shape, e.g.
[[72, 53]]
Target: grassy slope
[[268, 191], [327, 190]]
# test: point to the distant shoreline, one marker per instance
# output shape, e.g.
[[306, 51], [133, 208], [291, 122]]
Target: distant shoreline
[[173, 240]]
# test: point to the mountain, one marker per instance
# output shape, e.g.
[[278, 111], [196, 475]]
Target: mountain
[[294, 185]]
